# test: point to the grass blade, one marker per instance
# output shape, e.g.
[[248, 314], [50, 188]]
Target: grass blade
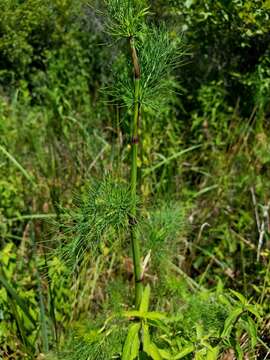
[[169, 159], [19, 301], [43, 324], [17, 164]]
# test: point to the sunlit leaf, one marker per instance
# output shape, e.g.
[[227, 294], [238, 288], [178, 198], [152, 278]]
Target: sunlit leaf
[[150, 315], [149, 347], [229, 322], [252, 331], [145, 299], [132, 343], [212, 353], [239, 296]]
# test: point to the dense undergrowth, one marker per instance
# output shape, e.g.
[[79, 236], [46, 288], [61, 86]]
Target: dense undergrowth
[[202, 204]]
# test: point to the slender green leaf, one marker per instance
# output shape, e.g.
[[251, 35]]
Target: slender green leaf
[[252, 331], [27, 345], [229, 322], [17, 164], [188, 349], [19, 301], [239, 350], [150, 315], [212, 353], [165, 354], [252, 309], [132, 343], [43, 322], [239, 296], [169, 159], [199, 355], [145, 300], [149, 347], [32, 217], [205, 190]]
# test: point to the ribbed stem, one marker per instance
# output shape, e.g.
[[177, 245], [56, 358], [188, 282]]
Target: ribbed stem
[[133, 179]]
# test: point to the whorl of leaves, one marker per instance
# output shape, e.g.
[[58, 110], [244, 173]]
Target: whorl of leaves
[[90, 343], [106, 206], [165, 229], [125, 17], [159, 55]]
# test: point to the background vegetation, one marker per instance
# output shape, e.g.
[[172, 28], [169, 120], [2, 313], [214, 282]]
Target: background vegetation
[[204, 180]]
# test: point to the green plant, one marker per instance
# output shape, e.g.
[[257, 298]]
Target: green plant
[[200, 216], [152, 57]]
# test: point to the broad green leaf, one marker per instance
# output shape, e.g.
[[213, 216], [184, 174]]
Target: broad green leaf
[[132, 343], [145, 299], [149, 347], [229, 322]]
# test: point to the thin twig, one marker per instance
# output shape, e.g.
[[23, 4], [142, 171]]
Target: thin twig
[[192, 283], [255, 208], [245, 241], [93, 163], [262, 230]]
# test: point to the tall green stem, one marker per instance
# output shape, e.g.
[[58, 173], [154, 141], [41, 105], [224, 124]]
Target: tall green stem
[[133, 180]]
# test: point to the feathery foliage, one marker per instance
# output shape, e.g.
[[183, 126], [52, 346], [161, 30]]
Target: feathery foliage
[[207, 228], [105, 206], [125, 18], [91, 343], [165, 226], [159, 54]]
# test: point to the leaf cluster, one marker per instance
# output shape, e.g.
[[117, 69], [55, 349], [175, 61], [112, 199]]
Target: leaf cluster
[[94, 341], [159, 54], [125, 18], [106, 206], [164, 230]]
